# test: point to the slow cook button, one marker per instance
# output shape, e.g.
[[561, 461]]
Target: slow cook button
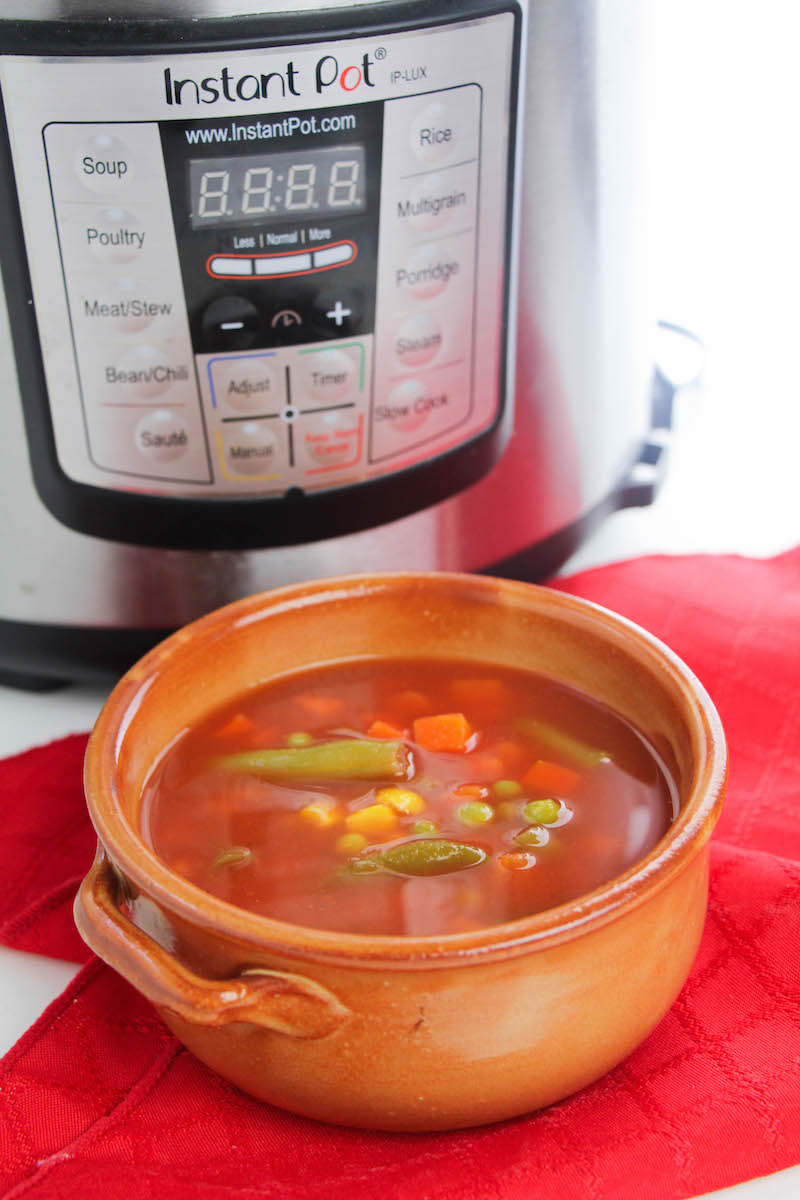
[[327, 375], [145, 371], [427, 272], [418, 340], [407, 407], [249, 448], [248, 384], [161, 436], [105, 164], [115, 235]]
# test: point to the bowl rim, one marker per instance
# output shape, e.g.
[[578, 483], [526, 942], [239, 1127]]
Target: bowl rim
[[684, 840]]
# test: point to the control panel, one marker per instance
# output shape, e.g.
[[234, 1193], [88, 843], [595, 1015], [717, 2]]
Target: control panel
[[282, 272]]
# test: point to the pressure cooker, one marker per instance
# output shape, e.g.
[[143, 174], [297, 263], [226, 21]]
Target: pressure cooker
[[301, 289]]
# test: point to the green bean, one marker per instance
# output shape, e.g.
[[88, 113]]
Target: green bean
[[350, 759], [434, 856], [563, 743], [234, 856]]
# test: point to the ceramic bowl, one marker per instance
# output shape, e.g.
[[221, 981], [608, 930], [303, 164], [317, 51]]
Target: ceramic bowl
[[404, 1033]]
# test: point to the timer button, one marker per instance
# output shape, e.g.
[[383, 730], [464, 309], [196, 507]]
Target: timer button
[[161, 435], [328, 375], [246, 384], [249, 448], [418, 340], [230, 323]]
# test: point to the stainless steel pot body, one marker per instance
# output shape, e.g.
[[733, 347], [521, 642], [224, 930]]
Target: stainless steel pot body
[[582, 370]]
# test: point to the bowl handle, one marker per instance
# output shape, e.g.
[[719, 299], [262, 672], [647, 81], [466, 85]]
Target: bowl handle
[[276, 1000]]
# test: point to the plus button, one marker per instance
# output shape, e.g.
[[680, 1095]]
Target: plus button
[[338, 312]]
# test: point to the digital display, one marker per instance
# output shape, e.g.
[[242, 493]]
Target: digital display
[[273, 187]]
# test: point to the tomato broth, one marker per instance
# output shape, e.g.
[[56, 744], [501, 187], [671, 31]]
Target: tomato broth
[[421, 798]]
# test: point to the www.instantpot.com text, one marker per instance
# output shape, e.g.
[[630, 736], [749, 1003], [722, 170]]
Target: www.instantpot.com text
[[258, 130]]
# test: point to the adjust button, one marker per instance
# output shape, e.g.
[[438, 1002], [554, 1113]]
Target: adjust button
[[249, 384]]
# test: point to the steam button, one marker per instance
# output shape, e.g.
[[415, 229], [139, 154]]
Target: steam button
[[418, 340]]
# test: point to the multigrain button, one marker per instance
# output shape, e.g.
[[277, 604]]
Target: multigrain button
[[161, 435], [249, 448], [433, 203], [250, 384], [327, 375], [427, 272], [115, 235], [418, 340], [105, 164]]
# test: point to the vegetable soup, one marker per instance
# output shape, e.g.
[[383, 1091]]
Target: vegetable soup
[[411, 798]]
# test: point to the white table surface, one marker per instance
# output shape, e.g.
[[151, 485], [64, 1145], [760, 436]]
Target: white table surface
[[727, 263]]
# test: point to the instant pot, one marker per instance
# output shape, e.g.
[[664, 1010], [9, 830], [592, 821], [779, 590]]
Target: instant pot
[[304, 289]]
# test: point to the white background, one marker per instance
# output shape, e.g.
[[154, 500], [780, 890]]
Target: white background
[[725, 152]]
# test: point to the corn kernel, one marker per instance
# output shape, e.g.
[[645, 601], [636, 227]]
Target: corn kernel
[[351, 843], [320, 814], [402, 800], [376, 819]]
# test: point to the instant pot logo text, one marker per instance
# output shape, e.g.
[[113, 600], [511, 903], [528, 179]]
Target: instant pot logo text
[[328, 73]]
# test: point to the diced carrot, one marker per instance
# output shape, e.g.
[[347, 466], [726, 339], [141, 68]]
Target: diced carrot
[[470, 791], [515, 860], [547, 777], [409, 704], [320, 706], [484, 699], [447, 732], [513, 756], [382, 729], [239, 724], [489, 766]]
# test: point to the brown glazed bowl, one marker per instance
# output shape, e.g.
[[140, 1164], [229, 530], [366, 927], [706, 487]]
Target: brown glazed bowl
[[392, 1032]]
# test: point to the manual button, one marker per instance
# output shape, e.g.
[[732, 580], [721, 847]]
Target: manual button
[[249, 448]]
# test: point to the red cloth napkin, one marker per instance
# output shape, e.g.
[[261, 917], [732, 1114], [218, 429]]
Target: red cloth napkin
[[99, 1100]]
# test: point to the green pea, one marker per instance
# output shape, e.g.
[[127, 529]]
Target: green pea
[[432, 857], [505, 788], [425, 826], [299, 738], [475, 812], [542, 812], [234, 856], [533, 836]]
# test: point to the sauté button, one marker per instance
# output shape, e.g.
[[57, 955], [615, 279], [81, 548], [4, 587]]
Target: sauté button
[[161, 435]]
